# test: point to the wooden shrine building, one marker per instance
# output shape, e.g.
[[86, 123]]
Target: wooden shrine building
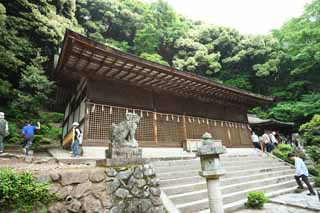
[[174, 106]]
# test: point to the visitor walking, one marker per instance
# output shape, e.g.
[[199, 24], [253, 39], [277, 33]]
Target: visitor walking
[[28, 133], [255, 140], [273, 139], [77, 141], [267, 142], [301, 173], [4, 130]]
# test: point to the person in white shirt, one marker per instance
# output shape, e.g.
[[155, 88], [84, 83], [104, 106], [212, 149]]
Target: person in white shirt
[[273, 138], [255, 140], [301, 172], [77, 141]]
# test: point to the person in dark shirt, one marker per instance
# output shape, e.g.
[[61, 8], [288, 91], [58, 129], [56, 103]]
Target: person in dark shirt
[[28, 133]]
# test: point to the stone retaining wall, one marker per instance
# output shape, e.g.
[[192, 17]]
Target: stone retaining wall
[[126, 189]]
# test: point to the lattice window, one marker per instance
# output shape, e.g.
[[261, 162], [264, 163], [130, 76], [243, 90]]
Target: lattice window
[[101, 118], [196, 127], [170, 128]]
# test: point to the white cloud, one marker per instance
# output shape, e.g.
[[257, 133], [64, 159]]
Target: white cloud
[[247, 16]]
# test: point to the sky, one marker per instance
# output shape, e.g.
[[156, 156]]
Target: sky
[[247, 16]]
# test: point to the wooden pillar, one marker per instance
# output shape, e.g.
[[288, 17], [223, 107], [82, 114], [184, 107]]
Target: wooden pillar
[[185, 136], [155, 128], [155, 125]]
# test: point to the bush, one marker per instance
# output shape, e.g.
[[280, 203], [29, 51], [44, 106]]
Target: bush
[[51, 117], [256, 200], [314, 153], [14, 137], [311, 131], [313, 170], [282, 152], [20, 191], [317, 181]]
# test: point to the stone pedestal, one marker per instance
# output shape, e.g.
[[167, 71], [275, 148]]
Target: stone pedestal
[[123, 156], [212, 170]]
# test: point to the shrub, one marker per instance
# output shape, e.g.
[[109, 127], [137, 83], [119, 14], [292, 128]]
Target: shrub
[[256, 200], [282, 152], [51, 117], [314, 153], [313, 170], [311, 131], [22, 192], [317, 181], [14, 136]]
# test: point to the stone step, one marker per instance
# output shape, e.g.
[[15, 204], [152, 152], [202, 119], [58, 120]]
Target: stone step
[[226, 180], [198, 205], [226, 165], [180, 190], [229, 174], [186, 172], [166, 163], [230, 207]]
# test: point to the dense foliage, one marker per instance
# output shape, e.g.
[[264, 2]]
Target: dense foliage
[[21, 191], [256, 200], [282, 151], [284, 64]]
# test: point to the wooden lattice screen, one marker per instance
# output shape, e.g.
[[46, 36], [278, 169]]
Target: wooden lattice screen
[[169, 128]]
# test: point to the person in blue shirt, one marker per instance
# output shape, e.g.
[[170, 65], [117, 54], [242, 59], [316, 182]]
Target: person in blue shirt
[[28, 133], [301, 172]]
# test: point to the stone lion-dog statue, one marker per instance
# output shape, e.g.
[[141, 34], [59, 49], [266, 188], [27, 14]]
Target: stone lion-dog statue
[[123, 134]]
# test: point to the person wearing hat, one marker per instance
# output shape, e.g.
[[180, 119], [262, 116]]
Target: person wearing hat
[[4, 130], [28, 133], [77, 140], [301, 173]]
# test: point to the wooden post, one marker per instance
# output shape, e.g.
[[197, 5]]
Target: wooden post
[[185, 136], [155, 127]]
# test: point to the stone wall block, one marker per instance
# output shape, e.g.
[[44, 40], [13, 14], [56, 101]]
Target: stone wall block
[[112, 186], [122, 193], [141, 183], [54, 176], [155, 182], [97, 176], [158, 209], [98, 188], [106, 200], [82, 189], [111, 172], [64, 192], [74, 206], [137, 192], [131, 182], [71, 177], [54, 188], [155, 191], [91, 204], [156, 201], [58, 207], [124, 175], [138, 172]]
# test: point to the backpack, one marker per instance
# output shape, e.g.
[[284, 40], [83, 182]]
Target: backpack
[[78, 135]]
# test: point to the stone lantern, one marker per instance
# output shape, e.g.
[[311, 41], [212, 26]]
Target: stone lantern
[[212, 170]]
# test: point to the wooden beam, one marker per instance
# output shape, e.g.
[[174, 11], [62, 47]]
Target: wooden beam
[[120, 70]]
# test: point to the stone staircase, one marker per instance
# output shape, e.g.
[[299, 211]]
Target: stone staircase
[[246, 171]]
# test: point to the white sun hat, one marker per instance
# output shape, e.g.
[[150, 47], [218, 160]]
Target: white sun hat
[[75, 124]]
